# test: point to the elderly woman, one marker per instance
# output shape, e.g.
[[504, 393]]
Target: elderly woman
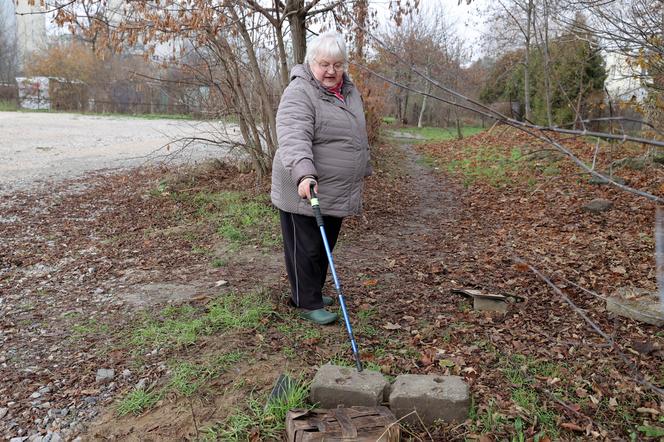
[[322, 140]]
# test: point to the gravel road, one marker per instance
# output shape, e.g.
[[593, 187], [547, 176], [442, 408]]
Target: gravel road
[[40, 148]]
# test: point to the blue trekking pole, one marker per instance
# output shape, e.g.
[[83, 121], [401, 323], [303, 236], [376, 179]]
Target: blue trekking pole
[[319, 219]]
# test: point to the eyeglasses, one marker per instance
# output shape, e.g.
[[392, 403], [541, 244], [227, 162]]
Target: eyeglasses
[[326, 66]]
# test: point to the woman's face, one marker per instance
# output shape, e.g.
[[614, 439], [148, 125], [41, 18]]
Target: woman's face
[[327, 70]]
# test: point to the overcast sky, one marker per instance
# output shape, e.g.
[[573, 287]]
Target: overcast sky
[[467, 20]]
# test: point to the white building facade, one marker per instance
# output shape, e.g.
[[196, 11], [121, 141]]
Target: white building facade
[[623, 82], [30, 29]]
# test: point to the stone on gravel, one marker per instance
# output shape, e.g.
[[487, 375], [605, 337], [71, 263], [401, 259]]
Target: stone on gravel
[[140, 385], [18, 439], [433, 398], [104, 375], [334, 385], [3, 412], [598, 205]]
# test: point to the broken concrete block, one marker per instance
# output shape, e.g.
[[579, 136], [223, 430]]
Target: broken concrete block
[[489, 305], [433, 398], [638, 304], [104, 375], [334, 385]]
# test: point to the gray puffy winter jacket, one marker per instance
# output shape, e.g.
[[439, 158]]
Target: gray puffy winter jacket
[[320, 136]]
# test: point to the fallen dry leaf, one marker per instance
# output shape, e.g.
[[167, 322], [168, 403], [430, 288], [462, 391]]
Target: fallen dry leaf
[[572, 427], [390, 326]]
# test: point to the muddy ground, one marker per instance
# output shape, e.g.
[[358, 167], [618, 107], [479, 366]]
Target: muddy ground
[[82, 272]]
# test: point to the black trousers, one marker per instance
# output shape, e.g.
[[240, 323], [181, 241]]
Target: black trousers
[[306, 260]]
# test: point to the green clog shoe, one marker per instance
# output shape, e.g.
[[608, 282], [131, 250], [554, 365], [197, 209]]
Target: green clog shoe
[[319, 316], [328, 301]]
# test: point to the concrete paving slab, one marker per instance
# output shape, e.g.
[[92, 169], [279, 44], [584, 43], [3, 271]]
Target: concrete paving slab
[[334, 385], [638, 304], [444, 398], [489, 305]]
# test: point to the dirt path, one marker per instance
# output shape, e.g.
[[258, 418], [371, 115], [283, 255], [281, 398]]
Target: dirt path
[[400, 247]]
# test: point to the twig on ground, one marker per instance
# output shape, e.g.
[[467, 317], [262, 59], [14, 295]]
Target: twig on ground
[[605, 298]]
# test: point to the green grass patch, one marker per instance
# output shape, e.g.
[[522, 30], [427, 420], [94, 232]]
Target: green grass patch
[[365, 326], [239, 217], [187, 377], [219, 262], [348, 361], [177, 327], [259, 420], [8, 106], [651, 431], [520, 371], [487, 164], [298, 330], [90, 327], [137, 401], [432, 134], [486, 419], [150, 116]]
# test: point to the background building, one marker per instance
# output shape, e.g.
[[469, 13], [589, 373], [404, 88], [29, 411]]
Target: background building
[[30, 30]]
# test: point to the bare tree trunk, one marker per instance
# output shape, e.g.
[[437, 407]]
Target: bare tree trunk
[[424, 100], [397, 104], [360, 9], [296, 18], [248, 124], [424, 106], [269, 118], [404, 112], [526, 69], [458, 123], [283, 61], [547, 64], [8, 51]]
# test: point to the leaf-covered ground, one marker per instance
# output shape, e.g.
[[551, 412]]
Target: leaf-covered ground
[[174, 280]]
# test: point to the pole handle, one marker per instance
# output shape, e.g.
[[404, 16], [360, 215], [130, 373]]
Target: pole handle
[[315, 205]]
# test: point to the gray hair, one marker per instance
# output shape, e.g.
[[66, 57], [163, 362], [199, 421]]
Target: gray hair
[[329, 44]]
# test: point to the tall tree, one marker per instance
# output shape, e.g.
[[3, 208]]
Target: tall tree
[[426, 41], [513, 24], [8, 44], [241, 47], [578, 75], [633, 29]]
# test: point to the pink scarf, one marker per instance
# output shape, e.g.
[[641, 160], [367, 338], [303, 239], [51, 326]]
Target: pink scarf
[[336, 90]]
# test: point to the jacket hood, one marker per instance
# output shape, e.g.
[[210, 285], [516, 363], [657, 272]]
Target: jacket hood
[[301, 71]]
